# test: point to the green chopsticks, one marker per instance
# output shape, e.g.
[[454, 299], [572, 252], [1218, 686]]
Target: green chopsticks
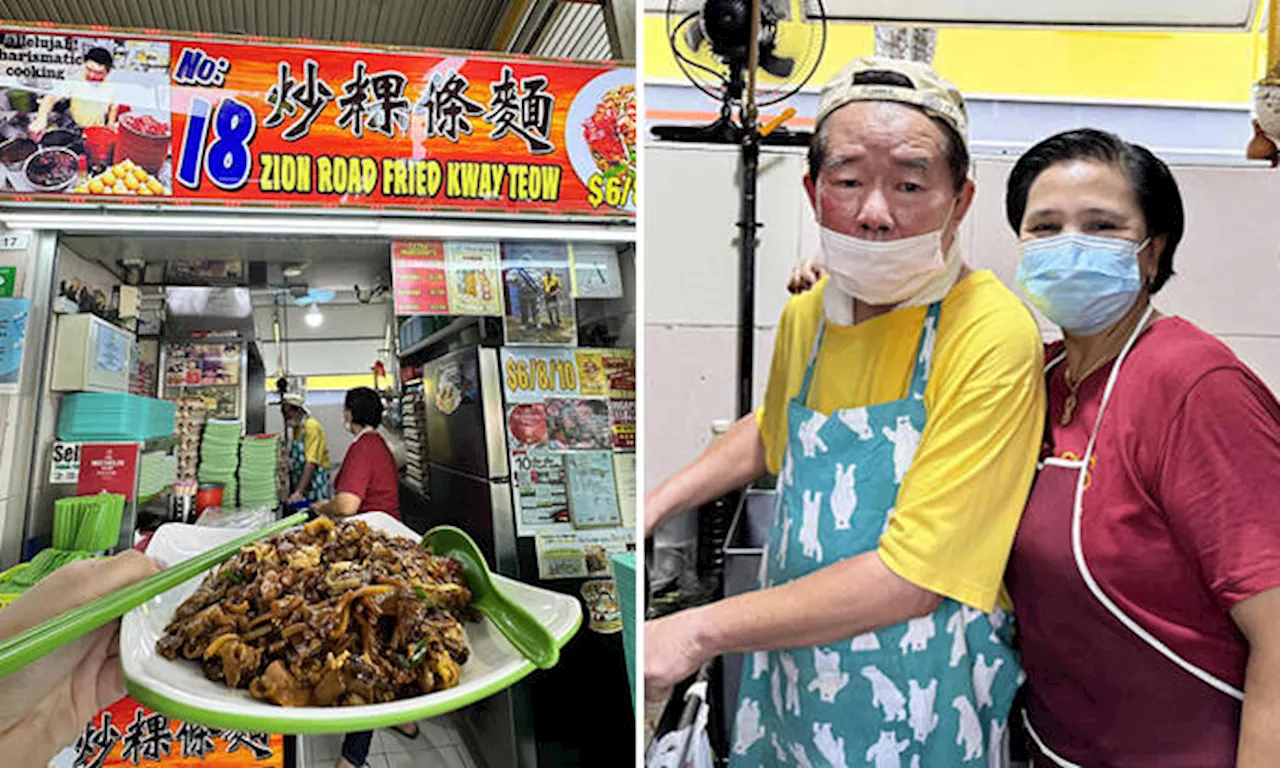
[[25, 647]]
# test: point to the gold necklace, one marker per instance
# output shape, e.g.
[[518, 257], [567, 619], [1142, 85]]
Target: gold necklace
[[1073, 389]]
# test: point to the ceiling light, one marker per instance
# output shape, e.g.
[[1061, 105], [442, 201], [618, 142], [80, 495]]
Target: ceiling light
[[313, 316], [293, 270]]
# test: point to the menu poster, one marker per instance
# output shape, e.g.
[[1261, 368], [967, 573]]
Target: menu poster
[[622, 419], [593, 494], [13, 334], [607, 373], [108, 468], [578, 425], [527, 426], [604, 614], [560, 556], [599, 546], [595, 271], [202, 365], [533, 374], [128, 734], [624, 475], [419, 277], [620, 370], [475, 282], [539, 294], [542, 500]]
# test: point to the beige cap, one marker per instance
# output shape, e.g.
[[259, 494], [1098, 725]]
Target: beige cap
[[935, 95], [295, 399]]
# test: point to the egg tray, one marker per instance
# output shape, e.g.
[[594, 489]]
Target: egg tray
[[124, 178]]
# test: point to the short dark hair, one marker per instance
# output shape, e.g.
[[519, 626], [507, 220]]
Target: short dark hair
[[101, 56], [1154, 188], [365, 406], [956, 151]]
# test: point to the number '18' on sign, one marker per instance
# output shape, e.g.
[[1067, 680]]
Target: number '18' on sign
[[225, 156]]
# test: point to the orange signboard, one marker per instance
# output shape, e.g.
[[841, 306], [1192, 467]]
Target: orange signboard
[[105, 117]]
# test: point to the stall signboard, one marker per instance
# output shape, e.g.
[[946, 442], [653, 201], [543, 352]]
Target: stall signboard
[[95, 116], [65, 466], [8, 281], [128, 734]]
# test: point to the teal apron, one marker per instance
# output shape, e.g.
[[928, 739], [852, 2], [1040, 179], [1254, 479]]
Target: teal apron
[[318, 490], [934, 692]]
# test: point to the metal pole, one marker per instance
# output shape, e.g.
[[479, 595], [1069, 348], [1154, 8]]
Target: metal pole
[[747, 223]]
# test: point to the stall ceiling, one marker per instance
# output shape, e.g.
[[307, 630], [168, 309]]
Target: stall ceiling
[[468, 24], [575, 31]]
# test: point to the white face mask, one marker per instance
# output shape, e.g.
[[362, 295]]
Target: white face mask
[[882, 272]]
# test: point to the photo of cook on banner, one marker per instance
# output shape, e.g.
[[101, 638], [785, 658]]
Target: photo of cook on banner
[[84, 116]]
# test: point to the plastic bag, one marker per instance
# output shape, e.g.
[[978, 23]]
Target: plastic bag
[[689, 739]]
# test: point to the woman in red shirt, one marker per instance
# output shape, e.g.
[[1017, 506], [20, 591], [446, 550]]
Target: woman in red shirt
[[368, 480]]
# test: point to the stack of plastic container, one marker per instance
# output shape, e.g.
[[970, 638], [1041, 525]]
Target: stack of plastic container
[[258, 454], [220, 457], [99, 416], [156, 472]]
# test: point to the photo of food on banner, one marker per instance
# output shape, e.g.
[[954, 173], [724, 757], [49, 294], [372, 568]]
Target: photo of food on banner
[[84, 115], [540, 307]]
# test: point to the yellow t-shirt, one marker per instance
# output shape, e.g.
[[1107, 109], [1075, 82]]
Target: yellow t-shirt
[[962, 499], [315, 445]]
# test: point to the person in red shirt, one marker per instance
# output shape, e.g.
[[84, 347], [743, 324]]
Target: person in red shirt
[[1145, 570], [368, 480], [1146, 567]]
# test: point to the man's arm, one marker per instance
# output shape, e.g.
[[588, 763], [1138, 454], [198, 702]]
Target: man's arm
[[840, 601], [304, 482], [1259, 619], [732, 461]]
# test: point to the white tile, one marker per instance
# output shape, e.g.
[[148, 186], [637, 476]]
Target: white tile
[[428, 757], [323, 749], [376, 761], [393, 744], [440, 732]]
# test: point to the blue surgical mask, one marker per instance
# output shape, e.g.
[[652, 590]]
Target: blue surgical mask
[[1083, 283]]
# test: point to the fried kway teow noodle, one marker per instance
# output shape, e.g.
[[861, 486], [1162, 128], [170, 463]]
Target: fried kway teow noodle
[[327, 615]]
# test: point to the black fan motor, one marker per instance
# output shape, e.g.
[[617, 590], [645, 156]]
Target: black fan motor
[[728, 26]]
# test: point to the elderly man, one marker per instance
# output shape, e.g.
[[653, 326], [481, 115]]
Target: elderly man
[[903, 418]]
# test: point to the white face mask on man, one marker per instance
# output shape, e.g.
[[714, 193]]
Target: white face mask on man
[[887, 272]]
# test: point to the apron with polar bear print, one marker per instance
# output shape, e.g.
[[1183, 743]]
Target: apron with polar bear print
[[933, 692]]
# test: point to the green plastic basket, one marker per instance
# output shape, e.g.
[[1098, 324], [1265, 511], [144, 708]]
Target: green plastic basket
[[624, 577], [87, 523]]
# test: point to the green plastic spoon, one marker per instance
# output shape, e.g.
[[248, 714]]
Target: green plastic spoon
[[529, 636]]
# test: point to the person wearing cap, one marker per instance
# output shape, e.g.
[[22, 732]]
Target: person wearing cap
[[903, 417], [308, 451]]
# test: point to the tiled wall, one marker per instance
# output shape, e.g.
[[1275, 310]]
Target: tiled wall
[[1228, 275]]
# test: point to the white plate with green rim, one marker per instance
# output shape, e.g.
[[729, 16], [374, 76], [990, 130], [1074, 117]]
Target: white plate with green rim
[[180, 690]]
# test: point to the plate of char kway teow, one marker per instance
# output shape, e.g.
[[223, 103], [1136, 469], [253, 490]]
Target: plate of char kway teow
[[335, 626]]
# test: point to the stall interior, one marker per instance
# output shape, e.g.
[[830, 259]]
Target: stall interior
[[508, 372]]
